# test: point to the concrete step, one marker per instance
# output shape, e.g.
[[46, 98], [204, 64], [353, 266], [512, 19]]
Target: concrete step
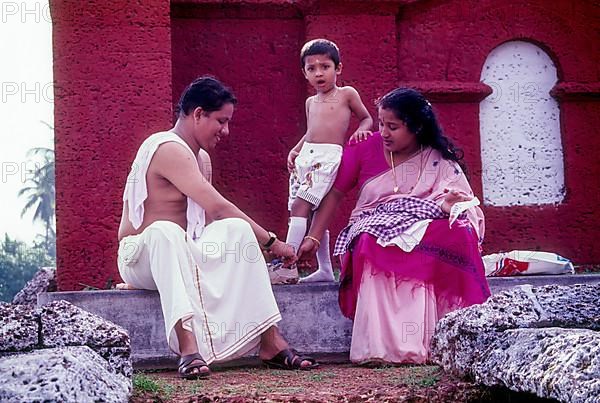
[[312, 321]]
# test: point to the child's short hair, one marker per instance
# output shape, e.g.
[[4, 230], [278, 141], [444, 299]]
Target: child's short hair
[[320, 47]]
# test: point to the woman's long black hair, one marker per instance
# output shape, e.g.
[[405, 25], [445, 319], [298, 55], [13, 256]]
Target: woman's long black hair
[[411, 107]]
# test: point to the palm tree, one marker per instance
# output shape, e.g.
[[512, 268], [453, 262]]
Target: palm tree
[[40, 192]]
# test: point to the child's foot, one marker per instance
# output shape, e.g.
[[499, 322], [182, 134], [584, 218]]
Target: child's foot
[[282, 275], [318, 276]]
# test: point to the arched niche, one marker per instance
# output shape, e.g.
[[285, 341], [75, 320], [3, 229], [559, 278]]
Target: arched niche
[[521, 147]]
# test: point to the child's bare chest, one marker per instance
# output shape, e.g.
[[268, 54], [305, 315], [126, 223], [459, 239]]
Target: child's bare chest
[[331, 109]]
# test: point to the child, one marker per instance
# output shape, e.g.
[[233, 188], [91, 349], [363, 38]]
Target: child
[[314, 161]]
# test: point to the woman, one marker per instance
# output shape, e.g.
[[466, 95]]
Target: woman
[[403, 265]]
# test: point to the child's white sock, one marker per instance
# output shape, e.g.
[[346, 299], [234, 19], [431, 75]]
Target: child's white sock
[[296, 231], [325, 272]]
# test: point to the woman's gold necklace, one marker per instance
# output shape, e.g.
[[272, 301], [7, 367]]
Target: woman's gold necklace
[[396, 188]]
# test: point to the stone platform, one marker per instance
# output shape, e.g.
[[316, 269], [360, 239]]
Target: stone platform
[[312, 321]]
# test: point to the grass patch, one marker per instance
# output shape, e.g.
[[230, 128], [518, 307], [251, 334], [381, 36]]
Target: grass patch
[[262, 388], [144, 384], [320, 376], [423, 376], [292, 390], [384, 368], [414, 377]]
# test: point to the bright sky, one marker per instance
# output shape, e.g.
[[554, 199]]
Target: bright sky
[[26, 99]]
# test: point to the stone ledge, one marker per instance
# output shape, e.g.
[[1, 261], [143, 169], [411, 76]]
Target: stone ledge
[[312, 321]]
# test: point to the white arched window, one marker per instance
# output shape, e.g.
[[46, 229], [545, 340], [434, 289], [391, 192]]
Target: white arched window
[[521, 148]]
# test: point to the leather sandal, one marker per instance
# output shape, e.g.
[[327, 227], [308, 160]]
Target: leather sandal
[[290, 359], [187, 364]]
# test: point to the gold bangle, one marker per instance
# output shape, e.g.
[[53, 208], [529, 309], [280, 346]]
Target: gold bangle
[[312, 238]]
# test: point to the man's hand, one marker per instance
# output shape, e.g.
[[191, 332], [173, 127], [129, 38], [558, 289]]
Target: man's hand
[[291, 160], [307, 252], [453, 196], [360, 135], [285, 251]]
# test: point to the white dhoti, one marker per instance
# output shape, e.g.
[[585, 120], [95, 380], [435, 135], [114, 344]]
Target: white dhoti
[[218, 284]]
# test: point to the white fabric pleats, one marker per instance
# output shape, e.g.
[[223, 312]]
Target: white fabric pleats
[[218, 284]]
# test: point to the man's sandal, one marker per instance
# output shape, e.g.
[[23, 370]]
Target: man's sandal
[[290, 359], [187, 364]]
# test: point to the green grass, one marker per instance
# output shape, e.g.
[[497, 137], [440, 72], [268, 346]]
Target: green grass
[[423, 376], [384, 368], [320, 376], [411, 376], [144, 384], [292, 390]]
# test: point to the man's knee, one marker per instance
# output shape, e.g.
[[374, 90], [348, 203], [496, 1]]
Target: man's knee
[[238, 225]]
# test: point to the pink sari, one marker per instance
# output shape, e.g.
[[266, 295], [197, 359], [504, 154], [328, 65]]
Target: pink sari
[[386, 290]]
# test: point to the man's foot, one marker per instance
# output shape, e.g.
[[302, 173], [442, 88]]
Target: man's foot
[[318, 276], [193, 366], [290, 359]]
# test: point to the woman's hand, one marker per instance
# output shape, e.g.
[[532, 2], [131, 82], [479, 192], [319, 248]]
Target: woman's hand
[[453, 196], [291, 159], [307, 252], [359, 135], [285, 251]]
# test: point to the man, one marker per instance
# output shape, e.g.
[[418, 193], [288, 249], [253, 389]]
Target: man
[[178, 235]]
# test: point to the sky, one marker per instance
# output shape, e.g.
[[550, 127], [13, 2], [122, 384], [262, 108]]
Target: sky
[[26, 101]]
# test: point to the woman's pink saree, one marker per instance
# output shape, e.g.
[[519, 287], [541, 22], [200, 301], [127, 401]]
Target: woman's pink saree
[[447, 260]]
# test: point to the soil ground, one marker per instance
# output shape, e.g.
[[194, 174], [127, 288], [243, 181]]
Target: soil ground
[[328, 383]]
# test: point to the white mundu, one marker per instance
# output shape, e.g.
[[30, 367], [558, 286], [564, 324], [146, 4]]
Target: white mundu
[[212, 277]]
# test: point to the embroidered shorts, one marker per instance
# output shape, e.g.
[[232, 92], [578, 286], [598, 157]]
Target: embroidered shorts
[[314, 172]]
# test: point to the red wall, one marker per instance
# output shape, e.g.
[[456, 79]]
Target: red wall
[[120, 68], [112, 72]]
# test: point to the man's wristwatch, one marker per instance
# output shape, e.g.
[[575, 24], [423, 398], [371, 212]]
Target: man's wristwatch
[[271, 241]]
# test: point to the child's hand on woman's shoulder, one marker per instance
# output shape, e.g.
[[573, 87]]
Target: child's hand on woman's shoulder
[[359, 135]]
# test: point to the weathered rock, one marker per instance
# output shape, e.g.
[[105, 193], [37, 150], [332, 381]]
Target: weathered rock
[[64, 324], [557, 363], [43, 281], [513, 333], [576, 306], [19, 327], [462, 336], [67, 374], [119, 359]]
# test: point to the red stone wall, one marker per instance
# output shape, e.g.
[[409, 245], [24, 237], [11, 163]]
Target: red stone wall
[[112, 72], [120, 68], [449, 41]]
